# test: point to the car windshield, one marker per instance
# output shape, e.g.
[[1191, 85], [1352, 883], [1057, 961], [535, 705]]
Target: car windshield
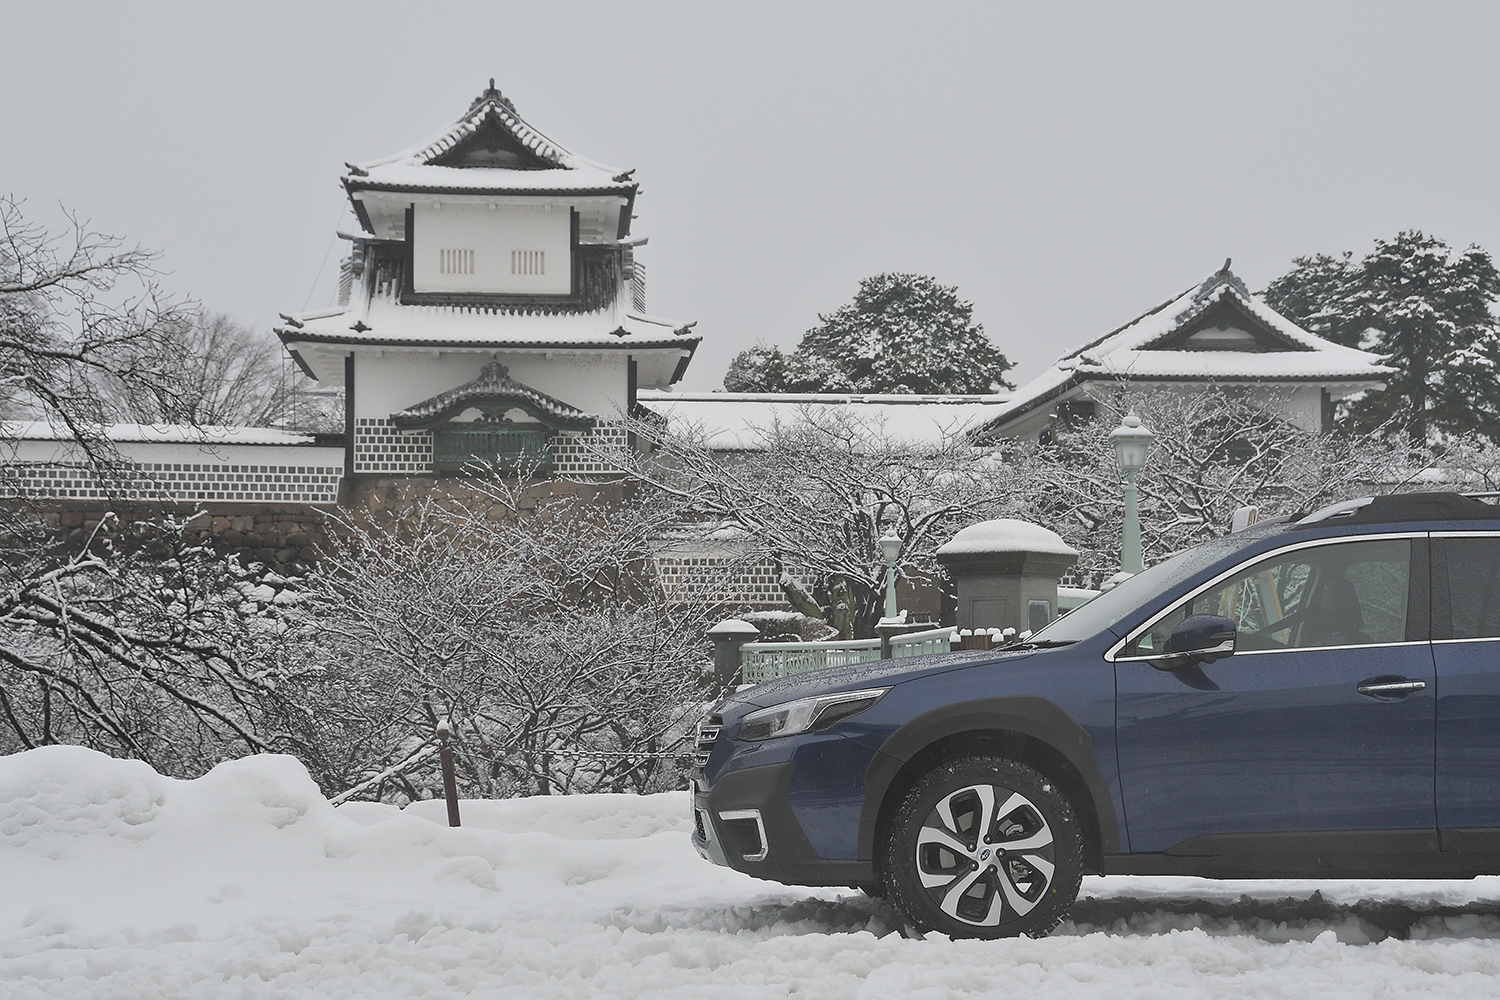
[[1112, 605]]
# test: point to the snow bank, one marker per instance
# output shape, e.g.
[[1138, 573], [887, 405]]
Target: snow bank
[[246, 883]]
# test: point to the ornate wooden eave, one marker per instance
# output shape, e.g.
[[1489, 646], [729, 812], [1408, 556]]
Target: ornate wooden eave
[[494, 392]]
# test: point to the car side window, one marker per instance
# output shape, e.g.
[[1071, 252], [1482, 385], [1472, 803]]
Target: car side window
[[1473, 590], [1329, 595]]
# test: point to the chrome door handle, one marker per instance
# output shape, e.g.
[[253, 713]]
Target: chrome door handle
[[1390, 687]]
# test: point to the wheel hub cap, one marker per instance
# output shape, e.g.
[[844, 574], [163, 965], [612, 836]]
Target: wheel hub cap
[[966, 878]]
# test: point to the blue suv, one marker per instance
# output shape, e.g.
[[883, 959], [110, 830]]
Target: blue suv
[[1315, 696]]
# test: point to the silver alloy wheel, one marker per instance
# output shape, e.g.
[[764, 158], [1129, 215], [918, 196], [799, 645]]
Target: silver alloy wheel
[[985, 855]]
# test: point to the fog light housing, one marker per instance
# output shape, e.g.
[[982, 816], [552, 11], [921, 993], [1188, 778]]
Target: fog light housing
[[745, 832]]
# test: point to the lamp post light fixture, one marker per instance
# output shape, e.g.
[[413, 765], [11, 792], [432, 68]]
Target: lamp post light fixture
[[1132, 444], [890, 548]]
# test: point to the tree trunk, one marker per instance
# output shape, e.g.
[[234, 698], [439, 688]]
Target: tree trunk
[[1417, 428]]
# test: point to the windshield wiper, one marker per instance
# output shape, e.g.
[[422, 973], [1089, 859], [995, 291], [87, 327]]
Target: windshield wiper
[[1041, 644]]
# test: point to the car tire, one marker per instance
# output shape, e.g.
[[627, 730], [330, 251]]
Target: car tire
[[983, 846]]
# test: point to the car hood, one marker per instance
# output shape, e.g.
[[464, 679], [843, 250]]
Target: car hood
[[876, 673]]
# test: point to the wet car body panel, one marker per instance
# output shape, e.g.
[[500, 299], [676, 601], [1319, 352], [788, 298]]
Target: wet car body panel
[[1171, 741]]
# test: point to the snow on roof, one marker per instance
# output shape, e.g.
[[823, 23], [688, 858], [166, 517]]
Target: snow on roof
[[736, 421], [486, 180], [1005, 534], [529, 161], [41, 430], [384, 320], [1144, 350]]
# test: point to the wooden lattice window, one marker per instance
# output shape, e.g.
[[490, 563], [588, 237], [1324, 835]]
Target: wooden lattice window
[[456, 261], [528, 262]]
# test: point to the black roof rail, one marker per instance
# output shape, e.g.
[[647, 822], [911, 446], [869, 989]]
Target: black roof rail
[[1402, 507]]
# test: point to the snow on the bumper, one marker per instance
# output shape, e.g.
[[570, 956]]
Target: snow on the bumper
[[119, 882]]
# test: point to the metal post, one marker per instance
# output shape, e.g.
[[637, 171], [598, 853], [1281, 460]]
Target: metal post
[[1130, 541], [450, 784], [1132, 443], [890, 548]]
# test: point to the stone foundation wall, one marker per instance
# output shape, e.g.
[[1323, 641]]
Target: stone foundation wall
[[285, 537]]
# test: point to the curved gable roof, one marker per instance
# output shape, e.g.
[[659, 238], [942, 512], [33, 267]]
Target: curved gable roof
[[493, 389], [491, 148], [1159, 345]]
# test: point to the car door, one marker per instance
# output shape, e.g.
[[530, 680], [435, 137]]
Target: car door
[[1466, 648], [1321, 723]]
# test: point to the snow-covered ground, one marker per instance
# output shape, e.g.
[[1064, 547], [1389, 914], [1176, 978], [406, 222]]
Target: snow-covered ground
[[116, 882]]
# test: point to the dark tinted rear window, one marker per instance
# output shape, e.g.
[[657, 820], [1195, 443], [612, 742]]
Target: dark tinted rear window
[[1473, 591]]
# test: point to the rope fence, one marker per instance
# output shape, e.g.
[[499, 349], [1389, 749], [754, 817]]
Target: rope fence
[[421, 754]]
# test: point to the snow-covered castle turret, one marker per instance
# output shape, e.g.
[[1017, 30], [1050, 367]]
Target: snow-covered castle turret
[[490, 308]]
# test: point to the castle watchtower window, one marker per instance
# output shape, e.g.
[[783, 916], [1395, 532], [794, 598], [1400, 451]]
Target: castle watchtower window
[[528, 262], [456, 261]]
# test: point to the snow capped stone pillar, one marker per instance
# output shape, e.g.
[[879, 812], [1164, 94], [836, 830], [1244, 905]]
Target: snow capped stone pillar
[[728, 636], [1007, 573]]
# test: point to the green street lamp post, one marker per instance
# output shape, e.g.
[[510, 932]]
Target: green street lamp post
[[1132, 443], [890, 548]]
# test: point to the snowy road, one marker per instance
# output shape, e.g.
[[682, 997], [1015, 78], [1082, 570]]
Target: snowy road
[[115, 882]]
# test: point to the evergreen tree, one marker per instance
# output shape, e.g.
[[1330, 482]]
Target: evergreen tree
[[1427, 311], [903, 333]]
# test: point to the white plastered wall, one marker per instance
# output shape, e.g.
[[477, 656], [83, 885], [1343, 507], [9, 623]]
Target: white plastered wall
[[388, 381], [182, 472], [517, 249], [1301, 404]]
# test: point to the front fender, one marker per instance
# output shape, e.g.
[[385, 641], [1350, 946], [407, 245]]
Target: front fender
[[1030, 716]]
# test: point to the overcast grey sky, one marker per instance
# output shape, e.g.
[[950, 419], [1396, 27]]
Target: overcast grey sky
[[1065, 165]]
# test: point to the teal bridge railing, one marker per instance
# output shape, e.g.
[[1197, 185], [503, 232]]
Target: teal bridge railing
[[764, 661]]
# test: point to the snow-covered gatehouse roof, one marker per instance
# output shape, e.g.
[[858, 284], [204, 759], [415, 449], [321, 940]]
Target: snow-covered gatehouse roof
[[742, 421], [1215, 332]]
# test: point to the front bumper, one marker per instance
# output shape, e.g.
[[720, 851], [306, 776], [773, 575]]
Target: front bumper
[[745, 822]]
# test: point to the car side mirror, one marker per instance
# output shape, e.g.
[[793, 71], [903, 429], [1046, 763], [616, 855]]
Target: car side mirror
[[1197, 639]]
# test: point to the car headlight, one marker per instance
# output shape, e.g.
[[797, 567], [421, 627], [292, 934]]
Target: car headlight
[[806, 715]]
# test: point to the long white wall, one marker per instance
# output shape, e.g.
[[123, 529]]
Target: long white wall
[[177, 472]]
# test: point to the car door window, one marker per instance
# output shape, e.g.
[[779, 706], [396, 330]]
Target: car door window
[[1473, 590], [1344, 594]]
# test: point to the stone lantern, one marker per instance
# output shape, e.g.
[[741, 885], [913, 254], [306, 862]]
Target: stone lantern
[[1007, 573], [728, 636]]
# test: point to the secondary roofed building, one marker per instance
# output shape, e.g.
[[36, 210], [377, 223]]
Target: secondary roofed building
[[1214, 334], [491, 307]]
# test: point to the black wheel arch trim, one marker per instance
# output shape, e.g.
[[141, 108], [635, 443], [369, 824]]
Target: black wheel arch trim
[[1024, 715]]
